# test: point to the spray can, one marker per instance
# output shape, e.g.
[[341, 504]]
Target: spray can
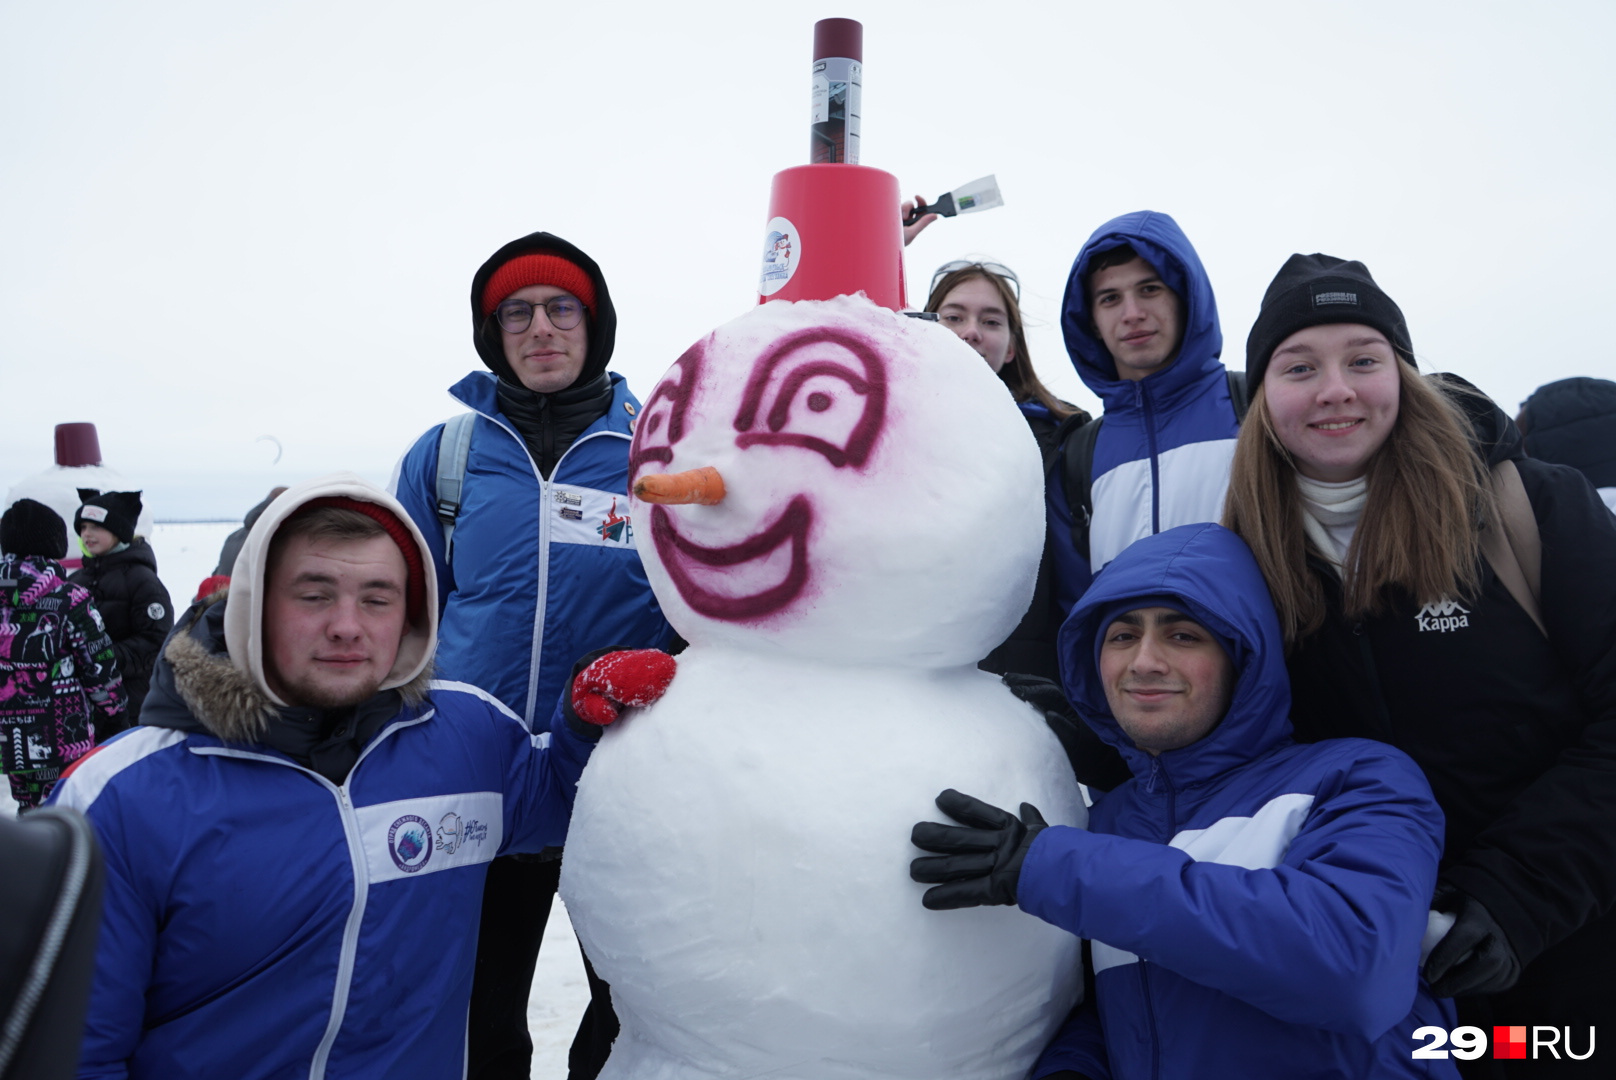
[[838, 90]]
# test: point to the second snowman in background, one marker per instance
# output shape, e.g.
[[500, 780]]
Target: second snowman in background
[[120, 571], [839, 508]]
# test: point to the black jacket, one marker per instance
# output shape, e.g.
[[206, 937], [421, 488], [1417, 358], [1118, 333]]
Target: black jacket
[[1516, 733], [137, 611]]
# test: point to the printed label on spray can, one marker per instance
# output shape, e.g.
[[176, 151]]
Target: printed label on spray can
[[782, 251], [837, 103]]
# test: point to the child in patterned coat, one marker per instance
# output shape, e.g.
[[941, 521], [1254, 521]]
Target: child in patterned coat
[[57, 671]]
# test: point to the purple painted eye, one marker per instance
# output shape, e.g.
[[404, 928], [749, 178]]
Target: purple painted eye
[[670, 401], [839, 377]]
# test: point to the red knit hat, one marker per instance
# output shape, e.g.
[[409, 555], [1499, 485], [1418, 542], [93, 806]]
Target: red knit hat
[[539, 269], [415, 593]]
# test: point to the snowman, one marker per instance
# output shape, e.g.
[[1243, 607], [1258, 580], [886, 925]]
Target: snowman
[[841, 511]]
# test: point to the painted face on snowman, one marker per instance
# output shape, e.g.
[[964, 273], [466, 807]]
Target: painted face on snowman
[[880, 495]]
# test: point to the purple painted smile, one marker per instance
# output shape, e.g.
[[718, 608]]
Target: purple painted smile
[[686, 560]]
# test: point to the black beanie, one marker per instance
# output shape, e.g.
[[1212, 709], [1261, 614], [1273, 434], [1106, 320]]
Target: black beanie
[[115, 511], [32, 528], [1315, 290]]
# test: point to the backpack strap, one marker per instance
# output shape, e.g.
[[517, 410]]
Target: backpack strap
[[1515, 548], [1238, 397], [453, 450], [1075, 460]]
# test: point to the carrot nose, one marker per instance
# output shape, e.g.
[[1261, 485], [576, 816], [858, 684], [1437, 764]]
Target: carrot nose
[[704, 486]]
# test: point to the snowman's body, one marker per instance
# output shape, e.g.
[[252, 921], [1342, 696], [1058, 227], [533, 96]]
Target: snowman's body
[[737, 866]]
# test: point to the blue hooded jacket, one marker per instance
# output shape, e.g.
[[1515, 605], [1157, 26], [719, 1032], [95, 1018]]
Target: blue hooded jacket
[[1255, 906], [544, 570], [1163, 453]]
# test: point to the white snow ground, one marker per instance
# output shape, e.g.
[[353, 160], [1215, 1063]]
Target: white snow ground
[[186, 553]]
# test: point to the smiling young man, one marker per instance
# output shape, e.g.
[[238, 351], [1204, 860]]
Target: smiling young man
[[297, 833], [1255, 907], [529, 533], [1141, 325]]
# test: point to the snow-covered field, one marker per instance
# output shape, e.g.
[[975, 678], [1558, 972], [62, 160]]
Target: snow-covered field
[[186, 553]]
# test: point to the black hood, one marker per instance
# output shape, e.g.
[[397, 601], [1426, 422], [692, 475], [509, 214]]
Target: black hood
[[602, 325], [1573, 422]]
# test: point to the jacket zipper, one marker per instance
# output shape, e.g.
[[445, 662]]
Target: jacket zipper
[[1383, 715], [1158, 771], [542, 594], [1150, 440], [356, 857]]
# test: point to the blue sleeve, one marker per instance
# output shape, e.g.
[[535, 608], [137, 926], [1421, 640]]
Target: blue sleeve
[[541, 781], [416, 488], [1078, 1047], [1329, 938], [1072, 573], [125, 952]]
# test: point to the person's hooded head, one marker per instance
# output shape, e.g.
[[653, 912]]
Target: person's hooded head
[[333, 597], [1174, 653], [542, 317]]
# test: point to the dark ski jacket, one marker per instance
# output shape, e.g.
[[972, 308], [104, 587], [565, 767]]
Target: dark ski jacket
[[1163, 453], [1516, 733], [137, 611], [1255, 906], [1030, 648]]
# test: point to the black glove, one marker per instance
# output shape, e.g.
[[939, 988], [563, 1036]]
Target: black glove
[[1095, 763], [1475, 957], [979, 864]]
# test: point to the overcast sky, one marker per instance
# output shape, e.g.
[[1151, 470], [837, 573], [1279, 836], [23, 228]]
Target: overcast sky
[[229, 221]]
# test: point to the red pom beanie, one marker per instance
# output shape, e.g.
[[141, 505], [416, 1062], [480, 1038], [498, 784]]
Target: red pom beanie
[[538, 269]]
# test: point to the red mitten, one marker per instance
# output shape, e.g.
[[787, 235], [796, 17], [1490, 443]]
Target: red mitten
[[629, 677]]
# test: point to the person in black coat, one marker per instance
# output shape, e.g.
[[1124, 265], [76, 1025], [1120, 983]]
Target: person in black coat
[[1371, 496], [120, 571]]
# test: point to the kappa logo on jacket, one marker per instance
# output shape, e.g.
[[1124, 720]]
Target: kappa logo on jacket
[[1443, 616]]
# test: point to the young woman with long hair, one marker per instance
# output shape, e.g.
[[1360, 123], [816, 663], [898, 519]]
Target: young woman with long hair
[[1369, 494], [980, 301]]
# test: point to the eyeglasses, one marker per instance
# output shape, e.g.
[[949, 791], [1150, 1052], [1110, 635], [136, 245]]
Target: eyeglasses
[[998, 270], [515, 316]]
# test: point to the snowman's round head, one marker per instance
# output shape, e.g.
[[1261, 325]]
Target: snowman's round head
[[881, 494]]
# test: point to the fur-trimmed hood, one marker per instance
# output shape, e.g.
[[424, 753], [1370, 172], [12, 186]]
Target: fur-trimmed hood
[[211, 672]]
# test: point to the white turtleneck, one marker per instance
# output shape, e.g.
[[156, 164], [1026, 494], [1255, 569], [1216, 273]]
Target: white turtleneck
[[1330, 514]]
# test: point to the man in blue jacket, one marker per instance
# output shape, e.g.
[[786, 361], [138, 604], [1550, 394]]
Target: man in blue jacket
[[534, 548], [1255, 906], [297, 833], [1141, 326]]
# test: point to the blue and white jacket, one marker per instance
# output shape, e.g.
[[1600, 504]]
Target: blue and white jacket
[[544, 571], [263, 922], [1255, 906], [1163, 454]]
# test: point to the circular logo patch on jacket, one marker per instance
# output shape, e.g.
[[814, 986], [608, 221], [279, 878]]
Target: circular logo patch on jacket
[[409, 841], [155, 611]]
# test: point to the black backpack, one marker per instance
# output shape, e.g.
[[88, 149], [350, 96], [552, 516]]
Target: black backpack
[[1074, 459]]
